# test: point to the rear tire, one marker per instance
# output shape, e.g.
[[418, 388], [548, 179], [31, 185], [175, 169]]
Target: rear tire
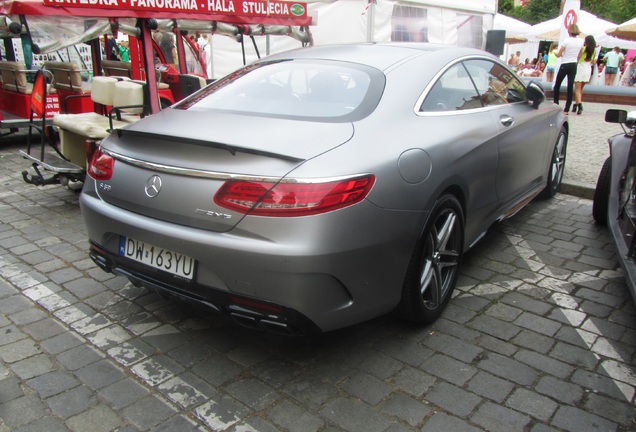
[[600, 205], [434, 267], [557, 166]]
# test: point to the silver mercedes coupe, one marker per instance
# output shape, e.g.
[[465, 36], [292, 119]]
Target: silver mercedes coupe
[[322, 187]]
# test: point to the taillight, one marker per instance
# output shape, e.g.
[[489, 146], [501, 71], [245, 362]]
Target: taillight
[[101, 166], [292, 199]]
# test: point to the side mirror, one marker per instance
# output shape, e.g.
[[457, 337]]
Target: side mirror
[[615, 116], [535, 94]]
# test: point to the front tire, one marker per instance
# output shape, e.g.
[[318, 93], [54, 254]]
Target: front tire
[[557, 166], [600, 204], [434, 267]]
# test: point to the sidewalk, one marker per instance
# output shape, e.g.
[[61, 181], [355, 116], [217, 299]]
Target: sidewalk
[[588, 148]]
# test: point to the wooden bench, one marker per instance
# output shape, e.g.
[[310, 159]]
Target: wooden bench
[[67, 81], [15, 93], [14, 77], [123, 102]]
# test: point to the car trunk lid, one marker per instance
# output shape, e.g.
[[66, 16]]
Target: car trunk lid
[[170, 166]]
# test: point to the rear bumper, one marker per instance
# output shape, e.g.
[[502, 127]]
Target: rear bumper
[[240, 309], [310, 276]]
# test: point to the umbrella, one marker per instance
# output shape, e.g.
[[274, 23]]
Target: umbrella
[[516, 39], [627, 30]]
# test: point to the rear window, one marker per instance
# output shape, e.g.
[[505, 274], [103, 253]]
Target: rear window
[[302, 89]]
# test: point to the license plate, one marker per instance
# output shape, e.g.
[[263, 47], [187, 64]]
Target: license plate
[[156, 257]]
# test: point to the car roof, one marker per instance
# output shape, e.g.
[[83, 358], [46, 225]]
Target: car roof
[[379, 55]]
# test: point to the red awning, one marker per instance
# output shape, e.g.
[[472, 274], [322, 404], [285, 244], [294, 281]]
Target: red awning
[[275, 12]]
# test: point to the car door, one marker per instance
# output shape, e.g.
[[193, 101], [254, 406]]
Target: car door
[[523, 131], [462, 140]]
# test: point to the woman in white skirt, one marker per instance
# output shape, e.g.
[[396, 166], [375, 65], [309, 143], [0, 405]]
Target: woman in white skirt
[[584, 68]]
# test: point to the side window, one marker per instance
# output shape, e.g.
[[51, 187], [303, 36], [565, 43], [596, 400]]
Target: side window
[[496, 84], [453, 91]]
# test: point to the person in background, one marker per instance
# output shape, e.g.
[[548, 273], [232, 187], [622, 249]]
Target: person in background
[[612, 60], [168, 48], [112, 50], [568, 51], [551, 62], [584, 69], [514, 61], [124, 51], [629, 74]]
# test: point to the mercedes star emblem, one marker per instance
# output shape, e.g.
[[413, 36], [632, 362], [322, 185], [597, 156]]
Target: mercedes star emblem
[[153, 186]]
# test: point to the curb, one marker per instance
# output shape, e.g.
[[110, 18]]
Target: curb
[[577, 189]]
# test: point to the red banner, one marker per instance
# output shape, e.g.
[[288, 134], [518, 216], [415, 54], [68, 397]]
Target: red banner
[[229, 8]]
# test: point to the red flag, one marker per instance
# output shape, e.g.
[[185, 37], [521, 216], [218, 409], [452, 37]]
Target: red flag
[[38, 95]]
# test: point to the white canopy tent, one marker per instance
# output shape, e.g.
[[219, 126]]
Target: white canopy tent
[[587, 22], [455, 22], [513, 27]]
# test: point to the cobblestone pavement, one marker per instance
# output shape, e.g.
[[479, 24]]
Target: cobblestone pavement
[[587, 145], [540, 336]]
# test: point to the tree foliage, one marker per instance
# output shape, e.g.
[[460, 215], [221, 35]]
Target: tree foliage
[[616, 11]]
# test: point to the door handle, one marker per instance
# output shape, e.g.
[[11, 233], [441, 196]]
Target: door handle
[[506, 120]]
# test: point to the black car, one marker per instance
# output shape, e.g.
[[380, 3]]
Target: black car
[[615, 195]]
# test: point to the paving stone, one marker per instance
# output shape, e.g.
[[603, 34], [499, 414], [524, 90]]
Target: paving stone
[[414, 381], [354, 416], [602, 384], [221, 413], [312, 391], [99, 418], [368, 388], [11, 334], [99, 374], [182, 424], [449, 369], [72, 402], [10, 389], [509, 369], [497, 418], [44, 329], [533, 404], [14, 304], [442, 422], [379, 365], [575, 356], [21, 411], [406, 408], [46, 424], [123, 393], [60, 343], [571, 418], [544, 363], [490, 386], [148, 412], [291, 417], [560, 390], [27, 316], [610, 409], [453, 399], [52, 383], [79, 357], [534, 341], [453, 347], [538, 324], [495, 327], [32, 366]]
